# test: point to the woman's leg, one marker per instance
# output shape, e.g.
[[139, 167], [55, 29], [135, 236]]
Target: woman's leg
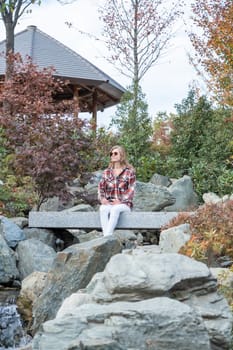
[[115, 211], [104, 216]]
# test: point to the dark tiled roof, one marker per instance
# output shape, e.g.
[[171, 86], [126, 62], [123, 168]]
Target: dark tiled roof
[[46, 51]]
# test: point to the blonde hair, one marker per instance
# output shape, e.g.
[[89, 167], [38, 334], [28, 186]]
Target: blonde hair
[[123, 157]]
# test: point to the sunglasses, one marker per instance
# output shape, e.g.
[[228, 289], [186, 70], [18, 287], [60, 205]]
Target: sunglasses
[[114, 154]]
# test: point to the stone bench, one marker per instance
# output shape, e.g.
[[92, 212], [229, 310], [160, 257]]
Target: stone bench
[[90, 220]]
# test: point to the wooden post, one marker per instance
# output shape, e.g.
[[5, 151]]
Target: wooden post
[[94, 111], [76, 101]]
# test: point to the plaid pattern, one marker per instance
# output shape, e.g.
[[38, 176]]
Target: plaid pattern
[[120, 187]]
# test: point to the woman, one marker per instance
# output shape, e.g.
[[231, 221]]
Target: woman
[[115, 189]]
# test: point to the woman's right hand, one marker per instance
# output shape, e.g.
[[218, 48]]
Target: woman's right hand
[[104, 201]]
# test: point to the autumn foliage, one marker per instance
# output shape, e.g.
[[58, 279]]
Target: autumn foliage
[[161, 140], [44, 139], [214, 46], [211, 229]]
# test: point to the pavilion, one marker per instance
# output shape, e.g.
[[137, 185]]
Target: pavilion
[[89, 86]]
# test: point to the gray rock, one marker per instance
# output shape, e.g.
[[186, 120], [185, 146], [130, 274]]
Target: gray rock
[[73, 269], [88, 236], [20, 221], [31, 288], [211, 198], [8, 270], [56, 204], [44, 235], [140, 275], [125, 235], [51, 204], [92, 189], [172, 239], [79, 207], [143, 274], [158, 323], [11, 232], [160, 180], [185, 197], [149, 197], [224, 276], [96, 177], [34, 255]]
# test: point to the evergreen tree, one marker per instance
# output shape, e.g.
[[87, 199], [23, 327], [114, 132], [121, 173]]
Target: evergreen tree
[[201, 144], [134, 126]]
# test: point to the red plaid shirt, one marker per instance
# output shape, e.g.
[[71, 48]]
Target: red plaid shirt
[[118, 187]]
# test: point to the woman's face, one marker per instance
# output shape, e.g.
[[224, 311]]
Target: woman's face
[[115, 155]]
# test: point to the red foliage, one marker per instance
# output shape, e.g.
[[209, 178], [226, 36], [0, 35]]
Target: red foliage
[[49, 142]]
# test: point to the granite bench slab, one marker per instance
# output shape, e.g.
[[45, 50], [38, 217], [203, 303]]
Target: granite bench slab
[[90, 220]]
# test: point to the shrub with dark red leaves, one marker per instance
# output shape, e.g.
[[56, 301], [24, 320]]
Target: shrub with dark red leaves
[[46, 139]]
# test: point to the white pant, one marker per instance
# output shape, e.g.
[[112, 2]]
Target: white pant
[[109, 215]]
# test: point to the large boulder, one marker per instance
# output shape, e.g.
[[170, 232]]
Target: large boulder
[[46, 236], [11, 232], [185, 197], [34, 255], [8, 270], [72, 270], [173, 238], [143, 300], [149, 197], [158, 323], [31, 289]]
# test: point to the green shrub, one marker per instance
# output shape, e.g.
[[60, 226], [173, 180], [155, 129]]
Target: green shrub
[[17, 196], [146, 168], [225, 182], [205, 177]]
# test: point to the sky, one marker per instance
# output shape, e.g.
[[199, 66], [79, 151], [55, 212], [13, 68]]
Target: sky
[[165, 84]]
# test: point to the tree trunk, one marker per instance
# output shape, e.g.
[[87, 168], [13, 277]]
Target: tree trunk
[[9, 48]]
